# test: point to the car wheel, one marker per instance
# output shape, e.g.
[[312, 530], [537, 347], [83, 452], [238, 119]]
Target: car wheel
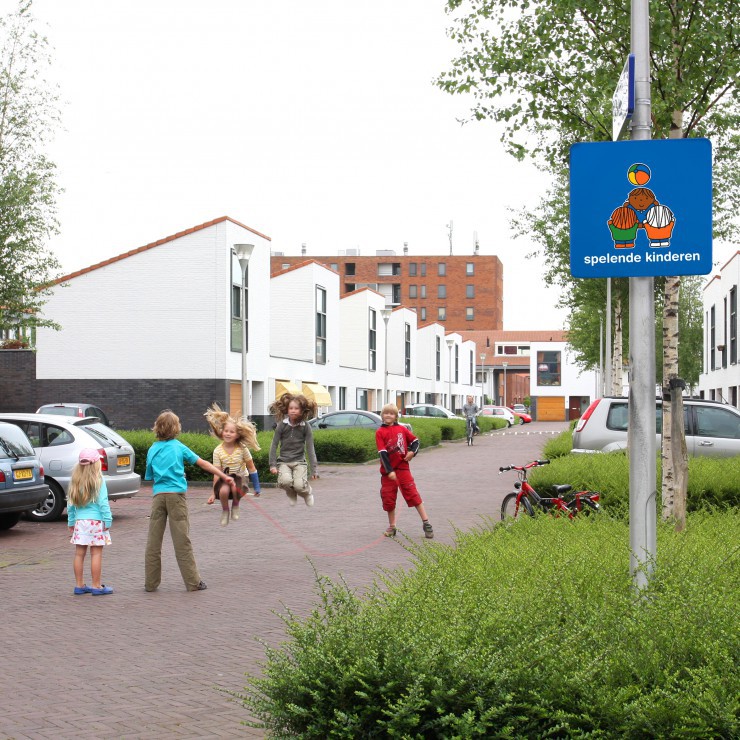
[[9, 520], [51, 508]]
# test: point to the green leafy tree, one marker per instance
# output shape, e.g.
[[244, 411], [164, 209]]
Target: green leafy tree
[[28, 190]]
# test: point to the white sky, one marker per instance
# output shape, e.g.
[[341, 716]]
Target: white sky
[[311, 122]]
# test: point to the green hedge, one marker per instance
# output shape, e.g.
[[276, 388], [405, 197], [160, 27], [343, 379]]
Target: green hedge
[[332, 446], [522, 631], [712, 481]]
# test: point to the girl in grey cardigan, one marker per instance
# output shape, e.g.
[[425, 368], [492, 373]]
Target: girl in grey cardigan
[[294, 438]]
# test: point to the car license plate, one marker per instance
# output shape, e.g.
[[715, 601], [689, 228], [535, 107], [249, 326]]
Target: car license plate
[[124, 460], [23, 474]]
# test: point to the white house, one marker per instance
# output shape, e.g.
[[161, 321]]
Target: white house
[[720, 379]]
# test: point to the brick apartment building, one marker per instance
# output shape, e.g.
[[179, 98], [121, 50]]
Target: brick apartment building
[[461, 292]]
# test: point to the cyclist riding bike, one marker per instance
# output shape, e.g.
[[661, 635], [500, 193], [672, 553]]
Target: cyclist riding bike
[[470, 411]]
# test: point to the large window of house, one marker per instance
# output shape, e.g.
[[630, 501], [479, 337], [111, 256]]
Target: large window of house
[[413, 292], [349, 268], [470, 291], [386, 269], [470, 268], [372, 340], [320, 325], [407, 350], [441, 269], [470, 314], [437, 358], [548, 368], [236, 304], [441, 291], [412, 269], [342, 397], [423, 291], [733, 325], [441, 314], [362, 399], [423, 268]]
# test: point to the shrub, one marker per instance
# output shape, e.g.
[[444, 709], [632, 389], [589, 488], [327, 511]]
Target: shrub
[[503, 636], [558, 446]]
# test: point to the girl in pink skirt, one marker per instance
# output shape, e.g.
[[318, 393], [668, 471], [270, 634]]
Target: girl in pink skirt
[[89, 518]]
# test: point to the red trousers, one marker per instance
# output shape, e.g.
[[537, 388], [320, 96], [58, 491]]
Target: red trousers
[[389, 489]]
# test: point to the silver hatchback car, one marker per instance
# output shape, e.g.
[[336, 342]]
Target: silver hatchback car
[[712, 428], [58, 441]]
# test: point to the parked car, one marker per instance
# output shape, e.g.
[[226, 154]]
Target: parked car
[[520, 408], [80, 410], [58, 441], [502, 411], [428, 409], [350, 420], [523, 417], [22, 485], [712, 428]]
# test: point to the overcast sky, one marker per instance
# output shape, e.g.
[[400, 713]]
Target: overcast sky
[[313, 122]]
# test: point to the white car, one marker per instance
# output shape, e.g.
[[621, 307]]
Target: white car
[[501, 411], [429, 410]]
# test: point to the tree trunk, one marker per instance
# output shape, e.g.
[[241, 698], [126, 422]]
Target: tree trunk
[[617, 381]]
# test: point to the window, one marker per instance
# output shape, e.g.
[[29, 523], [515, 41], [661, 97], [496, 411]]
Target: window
[[437, 357], [362, 398], [441, 314], [285, 265], [334, 266], [441, 291], [548, 368], [712, 339], [396, 294], [733, 325], [423, 268], [441, 269], [469, 314], [423, 314], [386, 269], [472, 368], [457, 364], [470, 268], [716, 422], [342, 397], [236, 304], [320, 325], [470, 291], [372, 340], [413, 291], [412, 269], [423, 291], [349, 287], [349, 268], [407, 350]]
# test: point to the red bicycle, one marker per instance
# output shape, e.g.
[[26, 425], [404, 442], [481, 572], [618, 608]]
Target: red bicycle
[[526, 499]]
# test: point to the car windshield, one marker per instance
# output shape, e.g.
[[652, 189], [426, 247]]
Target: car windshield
[[14, 443], [102, 433]]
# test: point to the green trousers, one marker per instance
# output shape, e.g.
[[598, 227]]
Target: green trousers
[[175, 507]]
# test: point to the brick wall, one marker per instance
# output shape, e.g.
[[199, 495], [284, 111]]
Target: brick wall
[[17, 380]]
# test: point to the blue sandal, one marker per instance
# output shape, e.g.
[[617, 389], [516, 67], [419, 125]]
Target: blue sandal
[[101, 591], [79, 590]]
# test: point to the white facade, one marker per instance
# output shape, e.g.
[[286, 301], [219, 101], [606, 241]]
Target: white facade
[[720, 380]]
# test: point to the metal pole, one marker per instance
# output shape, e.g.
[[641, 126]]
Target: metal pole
[[449, 380], [643, 511], [245, 382], [386, 314], [505, 364], [482, 392], [608, 390], [601, 357]]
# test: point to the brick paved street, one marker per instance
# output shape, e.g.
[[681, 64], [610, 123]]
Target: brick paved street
[[160, 665]]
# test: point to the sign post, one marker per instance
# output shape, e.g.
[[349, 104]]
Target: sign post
[[623, 100]]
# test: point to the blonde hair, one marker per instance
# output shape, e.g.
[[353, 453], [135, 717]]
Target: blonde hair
[[391, 408], [246, 431], [167, 425], [279, 406], [84, 484]]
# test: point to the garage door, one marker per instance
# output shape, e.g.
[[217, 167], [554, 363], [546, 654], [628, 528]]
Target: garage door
[[551, 408]]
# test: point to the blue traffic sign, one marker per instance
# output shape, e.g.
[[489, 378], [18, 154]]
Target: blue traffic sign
[[641, 208]]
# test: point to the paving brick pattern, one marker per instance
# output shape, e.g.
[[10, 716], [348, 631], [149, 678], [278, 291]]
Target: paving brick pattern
[[161, 665]]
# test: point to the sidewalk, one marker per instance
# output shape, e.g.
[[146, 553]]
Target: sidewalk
[[160, 665]]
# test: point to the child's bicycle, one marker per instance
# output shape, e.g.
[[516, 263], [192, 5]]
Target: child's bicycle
[[470, 430], [526, 499]]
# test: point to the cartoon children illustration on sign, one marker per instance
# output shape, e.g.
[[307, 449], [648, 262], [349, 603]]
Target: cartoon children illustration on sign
[[641, 210]]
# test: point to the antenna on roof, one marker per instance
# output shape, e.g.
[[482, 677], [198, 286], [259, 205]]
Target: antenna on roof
[[475, 242], [405, 248], [449, 229], [303, 248]]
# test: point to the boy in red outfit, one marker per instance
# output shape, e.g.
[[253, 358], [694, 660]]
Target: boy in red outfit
[[396, 446]]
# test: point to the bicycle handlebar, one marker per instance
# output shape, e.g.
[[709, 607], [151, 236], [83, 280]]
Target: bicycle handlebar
[[533, 464]]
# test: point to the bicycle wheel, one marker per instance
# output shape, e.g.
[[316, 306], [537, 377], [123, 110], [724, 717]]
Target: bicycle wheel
[[588, 507], [509, 508]]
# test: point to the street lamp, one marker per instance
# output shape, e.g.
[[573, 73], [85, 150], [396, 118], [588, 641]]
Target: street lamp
[[505, 365], [243, 253], [482, 393], [450, 344], [386, 314]]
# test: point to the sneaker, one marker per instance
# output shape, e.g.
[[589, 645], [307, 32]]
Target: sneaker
[[292, 497], [224, 517], [82, 590], [309, 497], [235, 512], [201, 586], [390, 532], [428, 531]]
